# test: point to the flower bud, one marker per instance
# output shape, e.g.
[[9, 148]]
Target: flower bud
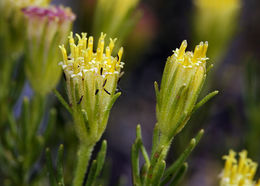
[[47, 28], [182, 81], [91, 77]]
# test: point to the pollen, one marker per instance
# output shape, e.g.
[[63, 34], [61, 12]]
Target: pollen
[[83, 58], [190, 59], [239, 172]]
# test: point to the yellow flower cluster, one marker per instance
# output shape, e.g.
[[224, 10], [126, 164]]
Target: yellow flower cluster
[[183, 78], [238, 172], [83, 59], [91, 77]]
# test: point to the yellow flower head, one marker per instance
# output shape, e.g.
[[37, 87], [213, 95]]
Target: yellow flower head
[[238, 172], [182, 80], [83, 59], [91, 76]]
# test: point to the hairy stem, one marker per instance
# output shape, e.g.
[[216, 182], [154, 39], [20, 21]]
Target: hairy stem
[[84, 154]]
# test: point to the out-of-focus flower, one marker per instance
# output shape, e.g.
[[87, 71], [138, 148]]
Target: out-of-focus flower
[[12, 22], [91, 83], [115, 17], [215, 21], [47, 28], [238, 172], [12, 32], [182, 80]]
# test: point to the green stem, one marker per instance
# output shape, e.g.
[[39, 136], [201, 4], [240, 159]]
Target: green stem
[[84, 154], [160, 153]]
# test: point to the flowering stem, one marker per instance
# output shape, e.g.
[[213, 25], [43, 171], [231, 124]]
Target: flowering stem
[[84, 154], [159, 155]]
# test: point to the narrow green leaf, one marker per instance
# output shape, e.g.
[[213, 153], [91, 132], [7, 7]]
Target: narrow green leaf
[[180, 95], [143, 150], [199, 135], [178, 124], [158, 173], [179, 175], [60, 176], [109, 106], [13, 124], [156, 135], [157, 93], [101, 157], [205, 100], [91, 174], [8, 142], [209, 68], [182, 158], [25, 127], [107, 111], [51, 123], [143, 173], [37, 106], [135, 162], [63, 102], [52, 178], [135, 165], [8, 156], [154, 162], [85, 118]]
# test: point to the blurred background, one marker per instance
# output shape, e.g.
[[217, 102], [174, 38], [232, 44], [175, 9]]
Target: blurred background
[[231, 120]]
